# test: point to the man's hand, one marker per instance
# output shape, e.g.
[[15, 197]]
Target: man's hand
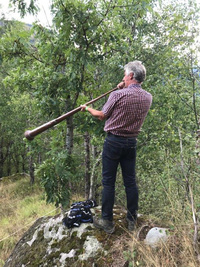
[[83, 107], [96, 113], [121, 85]]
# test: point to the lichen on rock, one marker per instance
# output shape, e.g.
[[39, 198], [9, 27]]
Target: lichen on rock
[[49, 243]]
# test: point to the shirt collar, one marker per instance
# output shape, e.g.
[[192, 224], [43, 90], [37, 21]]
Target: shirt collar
[[134, 85]]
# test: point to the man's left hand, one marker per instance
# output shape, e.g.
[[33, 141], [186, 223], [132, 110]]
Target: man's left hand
[[83, 107]]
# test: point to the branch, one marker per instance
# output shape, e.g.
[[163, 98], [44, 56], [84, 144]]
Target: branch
[[194, 215], [98, 160]]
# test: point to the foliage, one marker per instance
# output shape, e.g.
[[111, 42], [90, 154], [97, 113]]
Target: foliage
[[23, 7], [47, 72], [13, 108], [175, 108], [81, 56], [56, 175]]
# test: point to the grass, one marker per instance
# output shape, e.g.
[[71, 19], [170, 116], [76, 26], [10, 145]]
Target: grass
[[177, 251], [20, 205]]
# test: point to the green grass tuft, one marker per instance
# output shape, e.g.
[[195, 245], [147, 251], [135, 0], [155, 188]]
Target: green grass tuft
[[20, 205]]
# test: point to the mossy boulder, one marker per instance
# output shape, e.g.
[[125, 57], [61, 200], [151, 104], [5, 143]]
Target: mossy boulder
[[49, 243]]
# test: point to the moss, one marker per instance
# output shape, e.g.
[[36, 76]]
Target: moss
[[100, 235], [66, 244], [54, 255], [40, 236], [74, 234], [56, 228], [89, 228], [54, 244], [37, 253], [98, 261], [84, 235]]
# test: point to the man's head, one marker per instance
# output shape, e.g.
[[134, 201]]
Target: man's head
[[134, 72]]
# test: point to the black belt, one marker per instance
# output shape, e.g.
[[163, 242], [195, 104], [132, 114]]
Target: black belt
[[110, 134]]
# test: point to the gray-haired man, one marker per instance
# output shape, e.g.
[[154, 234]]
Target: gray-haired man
[[124, 113]]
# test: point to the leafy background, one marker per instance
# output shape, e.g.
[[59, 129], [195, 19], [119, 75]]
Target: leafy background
[[46, 72]]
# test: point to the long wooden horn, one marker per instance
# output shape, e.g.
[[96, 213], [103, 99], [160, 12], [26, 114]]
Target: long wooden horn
[[30, 134]]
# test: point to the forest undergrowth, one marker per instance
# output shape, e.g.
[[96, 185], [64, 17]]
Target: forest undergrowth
[[21, 204]]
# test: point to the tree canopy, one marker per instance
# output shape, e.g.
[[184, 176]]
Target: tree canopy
[[46, 72]]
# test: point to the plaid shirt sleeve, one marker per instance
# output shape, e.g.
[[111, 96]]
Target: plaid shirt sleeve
[[109, 105]]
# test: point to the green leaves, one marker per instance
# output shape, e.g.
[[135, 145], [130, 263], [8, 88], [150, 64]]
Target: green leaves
[[56, 175], [25, 8], [47, 72]]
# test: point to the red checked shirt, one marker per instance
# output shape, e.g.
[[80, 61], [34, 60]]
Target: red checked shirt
[[126, 110]]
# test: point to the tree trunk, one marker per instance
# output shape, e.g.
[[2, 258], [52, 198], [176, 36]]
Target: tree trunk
[[39, 158], [87, 164], [198, 145], [31, 170], [1, 169], [17, 164], [24, 161], [191, 199], [93, 179], [70, 128], [3, 156], [31, 166], [9, 165], [69, 135], [1, 162]]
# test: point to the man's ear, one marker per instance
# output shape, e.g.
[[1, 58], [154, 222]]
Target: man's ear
[[131, 75]]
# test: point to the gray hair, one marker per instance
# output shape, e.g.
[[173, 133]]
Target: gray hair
[[138, 70]]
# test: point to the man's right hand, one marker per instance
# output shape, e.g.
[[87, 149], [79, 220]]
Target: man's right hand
[[121, 85]]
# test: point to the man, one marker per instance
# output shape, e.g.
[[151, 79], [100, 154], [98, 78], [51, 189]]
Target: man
[[124, 113]]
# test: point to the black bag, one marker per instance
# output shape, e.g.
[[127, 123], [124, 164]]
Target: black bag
[[79, 212]]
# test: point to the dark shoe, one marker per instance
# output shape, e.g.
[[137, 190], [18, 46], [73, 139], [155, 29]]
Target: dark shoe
[[131, 224], [106, 225]]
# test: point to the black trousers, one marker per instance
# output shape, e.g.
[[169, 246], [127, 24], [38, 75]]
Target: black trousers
[[119, 150]]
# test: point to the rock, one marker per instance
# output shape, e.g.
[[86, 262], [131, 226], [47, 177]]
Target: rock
[[49, 243], [155, 236]]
